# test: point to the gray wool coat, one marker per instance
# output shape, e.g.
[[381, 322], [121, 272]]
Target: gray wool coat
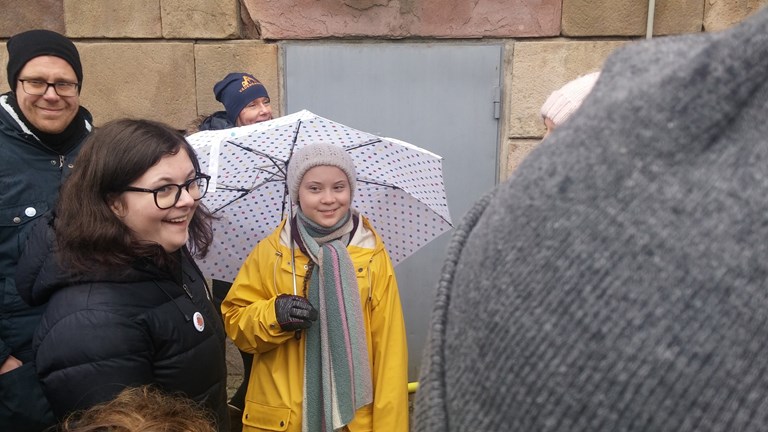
[[618, 281]]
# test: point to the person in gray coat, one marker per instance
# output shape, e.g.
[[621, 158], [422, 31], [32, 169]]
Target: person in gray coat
[[618, 281]]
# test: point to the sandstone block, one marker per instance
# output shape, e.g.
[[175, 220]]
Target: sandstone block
[[540, 67], [113, 18], [3, 74], [153, 80], [721, 14], [677, 17], [517, 150], [629, 17], [309, 19], [18, 16], [200, 19], [215, 60]]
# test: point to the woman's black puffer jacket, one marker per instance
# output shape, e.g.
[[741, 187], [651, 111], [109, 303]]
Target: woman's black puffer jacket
[[102, 333]]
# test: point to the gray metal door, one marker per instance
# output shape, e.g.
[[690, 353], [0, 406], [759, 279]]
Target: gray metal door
[[440, 96]]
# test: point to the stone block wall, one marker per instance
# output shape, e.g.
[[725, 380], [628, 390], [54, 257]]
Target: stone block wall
[[159, 59]]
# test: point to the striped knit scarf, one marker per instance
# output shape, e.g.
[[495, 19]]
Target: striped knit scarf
[[337, 375]]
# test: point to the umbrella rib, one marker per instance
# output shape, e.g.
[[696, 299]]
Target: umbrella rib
[[364, 144], [376, 183], [275, 161], [279, 164], [245, 191], [399, 188], [285, 189]]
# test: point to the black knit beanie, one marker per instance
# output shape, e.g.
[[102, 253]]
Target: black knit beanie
[[27, 45], [236, 91]]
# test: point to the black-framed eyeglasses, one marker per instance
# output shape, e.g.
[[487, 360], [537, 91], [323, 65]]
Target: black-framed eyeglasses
[[38, 88], [168, 195]]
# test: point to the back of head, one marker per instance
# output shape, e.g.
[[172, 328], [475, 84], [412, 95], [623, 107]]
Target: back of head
[[611, 283], [27, 45], [142, 409], [237, 90]]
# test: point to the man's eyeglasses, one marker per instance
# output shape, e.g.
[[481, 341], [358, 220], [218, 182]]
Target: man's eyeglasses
[[38, 88], [167, 196]]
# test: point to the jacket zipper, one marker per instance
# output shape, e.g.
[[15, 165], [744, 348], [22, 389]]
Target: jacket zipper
[[186, 290]]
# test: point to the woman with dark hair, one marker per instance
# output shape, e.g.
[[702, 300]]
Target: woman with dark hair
[[246, 102], [132, 307]]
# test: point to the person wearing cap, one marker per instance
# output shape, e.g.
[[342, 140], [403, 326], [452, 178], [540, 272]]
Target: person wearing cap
[[563, 102], [320, 366], [42, 126], [618, 281], [245, 100]]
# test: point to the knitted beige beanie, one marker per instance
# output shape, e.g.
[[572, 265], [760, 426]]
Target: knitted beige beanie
[[564, 101], [319, 154]]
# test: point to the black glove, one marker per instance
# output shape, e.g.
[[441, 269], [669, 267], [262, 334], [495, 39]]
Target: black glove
[[294, 312]]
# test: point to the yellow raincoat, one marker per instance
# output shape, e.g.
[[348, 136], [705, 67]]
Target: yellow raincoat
[[275, 391]]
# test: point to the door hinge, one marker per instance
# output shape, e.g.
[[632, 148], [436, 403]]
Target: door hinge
[[497, 102]]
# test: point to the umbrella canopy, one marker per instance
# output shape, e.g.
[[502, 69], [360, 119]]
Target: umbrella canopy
[[399, 186]]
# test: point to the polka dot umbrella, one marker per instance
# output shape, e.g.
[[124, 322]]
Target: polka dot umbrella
[[399, 186]]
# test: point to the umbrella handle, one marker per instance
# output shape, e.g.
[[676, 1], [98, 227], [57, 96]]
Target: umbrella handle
[[293, 252], [297, 334], [293, 267]]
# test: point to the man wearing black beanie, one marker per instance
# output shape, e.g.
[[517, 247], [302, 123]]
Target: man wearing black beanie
[[618, 281], [42, 126]]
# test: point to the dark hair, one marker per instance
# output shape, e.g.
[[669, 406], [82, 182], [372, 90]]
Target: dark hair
[[141, 409], [88, 233]]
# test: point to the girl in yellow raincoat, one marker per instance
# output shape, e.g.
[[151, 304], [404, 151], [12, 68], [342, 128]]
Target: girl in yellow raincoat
[[333, 357]]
